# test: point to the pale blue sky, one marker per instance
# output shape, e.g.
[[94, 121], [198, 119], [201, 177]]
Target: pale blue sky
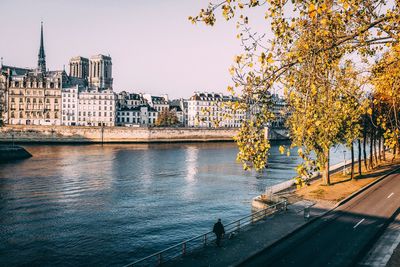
[[153, 46]]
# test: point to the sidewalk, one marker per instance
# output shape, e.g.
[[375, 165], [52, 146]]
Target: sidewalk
[[254, 238], [384, 252]]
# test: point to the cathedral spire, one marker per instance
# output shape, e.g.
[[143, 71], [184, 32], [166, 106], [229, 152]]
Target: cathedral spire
[[42, 56]]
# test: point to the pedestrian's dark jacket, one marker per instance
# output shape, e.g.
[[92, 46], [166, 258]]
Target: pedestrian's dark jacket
[[218, 229]]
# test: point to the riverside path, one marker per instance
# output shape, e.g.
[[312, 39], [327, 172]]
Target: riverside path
[[341, 237]]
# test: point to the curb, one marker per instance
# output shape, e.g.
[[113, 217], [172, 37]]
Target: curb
[[280, 239], [354, 194], [362, 189]]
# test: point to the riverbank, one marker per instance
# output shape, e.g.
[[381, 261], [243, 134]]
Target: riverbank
[[341, 184], [266, 233], [10, 153], [80, 134]]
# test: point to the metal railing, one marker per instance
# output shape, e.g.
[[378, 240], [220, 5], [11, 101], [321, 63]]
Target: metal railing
[[201, 241]]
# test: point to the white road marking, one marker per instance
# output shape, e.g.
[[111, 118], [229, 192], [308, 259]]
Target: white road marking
[[358, 223], [390, 195]]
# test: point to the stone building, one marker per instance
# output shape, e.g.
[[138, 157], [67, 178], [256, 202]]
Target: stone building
[[143, 115], [180, 106], [79, 67], [69, 96], [279, 109], [32, 96], [213, 110], [129, 100], [96, 107], [100, 72], [159, 103], [42, 97]]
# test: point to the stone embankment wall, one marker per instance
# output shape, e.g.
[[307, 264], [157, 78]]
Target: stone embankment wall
[[8, 153], [78, 134]]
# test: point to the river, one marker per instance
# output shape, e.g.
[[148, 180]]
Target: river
[[108, 205]]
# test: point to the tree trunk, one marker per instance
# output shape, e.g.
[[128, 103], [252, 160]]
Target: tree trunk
[[379, 149], [365, 148], [394, 153], [352, 160], [375, 153], [325, 176], [371, 152], [359, 158], [398, 148], [383, 149]]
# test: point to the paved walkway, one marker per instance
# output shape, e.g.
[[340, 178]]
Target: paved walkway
[[253, 239], [383, 249]]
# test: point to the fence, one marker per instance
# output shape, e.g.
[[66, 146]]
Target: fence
[[201, 241]]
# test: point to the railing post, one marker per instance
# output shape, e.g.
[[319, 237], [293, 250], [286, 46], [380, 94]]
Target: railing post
[[285, 205], [183, 248], [159, 259], [205, 240]]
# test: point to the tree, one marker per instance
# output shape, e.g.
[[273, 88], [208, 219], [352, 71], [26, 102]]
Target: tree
[[353, 105], [310, 40], [167, 118], [386, 80]]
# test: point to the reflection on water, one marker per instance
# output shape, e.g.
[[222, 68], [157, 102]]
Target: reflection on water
[[109, 205]]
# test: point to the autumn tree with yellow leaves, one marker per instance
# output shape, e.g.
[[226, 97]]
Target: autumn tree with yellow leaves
[[305, 52], [386, 80]]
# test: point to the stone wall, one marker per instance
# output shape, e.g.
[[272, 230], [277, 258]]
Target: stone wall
[[9, 153], [80, 134]]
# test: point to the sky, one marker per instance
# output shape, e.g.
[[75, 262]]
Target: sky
[[154, 48]]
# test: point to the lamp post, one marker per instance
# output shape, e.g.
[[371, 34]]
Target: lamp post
[[102, 133]]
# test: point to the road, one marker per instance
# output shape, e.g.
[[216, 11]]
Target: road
[[341, 237]]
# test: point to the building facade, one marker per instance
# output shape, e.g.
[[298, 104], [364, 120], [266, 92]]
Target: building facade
[[213, 110], [96, 107], [70, 101], [32, 96], [100, 72], [139, 116], [159, 103]]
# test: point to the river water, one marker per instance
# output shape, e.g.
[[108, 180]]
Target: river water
[[108, 205]]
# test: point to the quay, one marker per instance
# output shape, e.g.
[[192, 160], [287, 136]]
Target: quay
[[12, 152], [98, 134]]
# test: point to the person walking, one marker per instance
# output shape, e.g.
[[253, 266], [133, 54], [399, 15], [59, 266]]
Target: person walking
[[219, 231]]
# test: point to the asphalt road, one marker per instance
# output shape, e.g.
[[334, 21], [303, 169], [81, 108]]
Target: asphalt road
[[341, 237]]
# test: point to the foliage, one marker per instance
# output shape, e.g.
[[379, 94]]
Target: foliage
[[309, 54], [167, 118], [386, 80]]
